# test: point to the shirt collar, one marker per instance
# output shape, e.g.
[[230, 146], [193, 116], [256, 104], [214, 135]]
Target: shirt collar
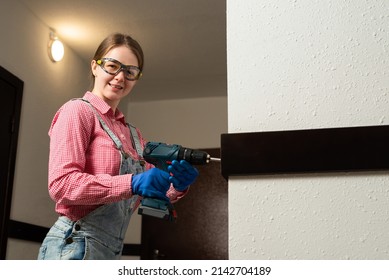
[[103, 107]]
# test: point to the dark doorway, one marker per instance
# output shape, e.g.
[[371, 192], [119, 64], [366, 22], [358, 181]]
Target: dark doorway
[[11, 90], [201, 229]]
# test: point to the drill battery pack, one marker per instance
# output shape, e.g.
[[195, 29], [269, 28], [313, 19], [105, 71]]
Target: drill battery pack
[[157, 208]]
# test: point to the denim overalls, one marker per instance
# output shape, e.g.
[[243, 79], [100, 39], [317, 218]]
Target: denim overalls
[[100, 234]]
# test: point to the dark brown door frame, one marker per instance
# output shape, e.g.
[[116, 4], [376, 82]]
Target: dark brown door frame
[[12, 82]]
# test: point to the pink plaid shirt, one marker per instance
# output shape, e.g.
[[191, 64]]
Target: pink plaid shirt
[[84, 162]]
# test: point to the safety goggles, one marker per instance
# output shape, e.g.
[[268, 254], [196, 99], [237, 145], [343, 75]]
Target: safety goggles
[[113, 67]]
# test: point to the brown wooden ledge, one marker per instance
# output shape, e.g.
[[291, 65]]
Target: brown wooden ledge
[[305, 151]]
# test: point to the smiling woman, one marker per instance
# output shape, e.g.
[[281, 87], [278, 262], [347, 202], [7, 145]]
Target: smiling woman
[[96, 172], [112, 79], [82, 27]]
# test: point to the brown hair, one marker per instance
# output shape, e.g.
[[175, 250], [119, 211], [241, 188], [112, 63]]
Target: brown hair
[[116, 40]]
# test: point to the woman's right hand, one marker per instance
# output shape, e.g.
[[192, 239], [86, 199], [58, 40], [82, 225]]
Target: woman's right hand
[[152, 183]]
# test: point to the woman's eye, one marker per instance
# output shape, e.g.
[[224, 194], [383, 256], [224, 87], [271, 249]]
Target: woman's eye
[[111, 66]]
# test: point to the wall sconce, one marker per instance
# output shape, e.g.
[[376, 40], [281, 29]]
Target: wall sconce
[[56, 48]]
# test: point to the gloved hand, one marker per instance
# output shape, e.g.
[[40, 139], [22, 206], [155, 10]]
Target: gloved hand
[[182, 174], [152, 183]]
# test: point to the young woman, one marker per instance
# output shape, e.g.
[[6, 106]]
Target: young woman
[[96, 174]]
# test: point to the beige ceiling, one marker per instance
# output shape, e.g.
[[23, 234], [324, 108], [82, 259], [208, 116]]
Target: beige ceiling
[[184, 40]]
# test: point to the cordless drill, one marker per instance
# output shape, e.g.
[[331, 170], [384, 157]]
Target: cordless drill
[[161, 156]]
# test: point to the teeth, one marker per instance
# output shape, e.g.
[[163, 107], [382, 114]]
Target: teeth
[[116, 86]]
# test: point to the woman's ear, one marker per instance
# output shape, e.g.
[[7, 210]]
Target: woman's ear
[[93, 66]]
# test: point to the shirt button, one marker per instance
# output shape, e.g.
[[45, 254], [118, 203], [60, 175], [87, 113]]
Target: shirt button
[[69, 240], [77, 227]]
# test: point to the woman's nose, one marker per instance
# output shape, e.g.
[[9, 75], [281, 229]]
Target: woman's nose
[[120, 75]]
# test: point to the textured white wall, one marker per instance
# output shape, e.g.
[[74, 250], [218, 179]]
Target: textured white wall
[[308, 64]]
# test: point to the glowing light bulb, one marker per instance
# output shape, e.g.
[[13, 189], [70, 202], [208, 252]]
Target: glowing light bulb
[[56, 50]]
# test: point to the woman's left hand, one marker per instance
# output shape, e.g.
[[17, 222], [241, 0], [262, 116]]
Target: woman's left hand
[[182, 174]]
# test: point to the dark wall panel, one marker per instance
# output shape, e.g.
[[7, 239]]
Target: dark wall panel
[[303, 151]]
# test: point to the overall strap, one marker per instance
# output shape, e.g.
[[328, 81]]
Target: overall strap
[[135, 140], [112, 135], [136, 143]]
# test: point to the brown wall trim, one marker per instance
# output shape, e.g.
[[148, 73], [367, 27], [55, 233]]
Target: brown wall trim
[[25, 231], [30, 232], [304, 151]]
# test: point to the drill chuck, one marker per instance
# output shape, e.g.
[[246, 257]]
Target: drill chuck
[[195, 157]]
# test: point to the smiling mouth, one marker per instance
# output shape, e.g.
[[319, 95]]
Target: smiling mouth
[[116, 86]]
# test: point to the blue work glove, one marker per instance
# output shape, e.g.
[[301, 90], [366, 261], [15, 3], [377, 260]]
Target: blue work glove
[[182, 174], [152, 183]]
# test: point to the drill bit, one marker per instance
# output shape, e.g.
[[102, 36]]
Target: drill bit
[[209, 159]]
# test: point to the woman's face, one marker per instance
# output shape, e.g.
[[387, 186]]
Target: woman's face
[[112, 88]]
